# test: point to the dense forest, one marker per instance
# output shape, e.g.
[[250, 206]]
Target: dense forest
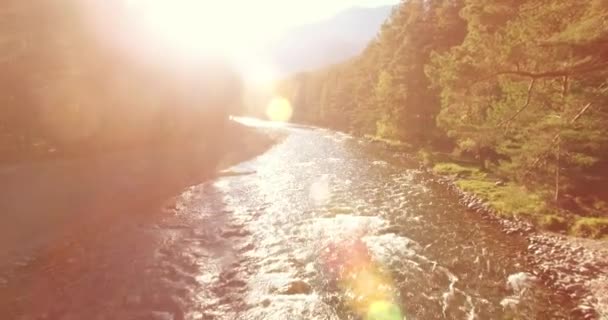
[[515, 87], [77, 78]]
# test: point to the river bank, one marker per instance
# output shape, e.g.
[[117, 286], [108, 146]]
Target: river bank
[[484, 192], [570, 264], [510, 200], [569, 252], [43, 203]]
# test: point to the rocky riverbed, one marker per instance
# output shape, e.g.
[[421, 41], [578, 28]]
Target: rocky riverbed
[[575, 266]]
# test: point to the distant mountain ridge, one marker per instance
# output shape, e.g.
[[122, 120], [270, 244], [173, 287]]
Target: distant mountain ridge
[[330, 41]]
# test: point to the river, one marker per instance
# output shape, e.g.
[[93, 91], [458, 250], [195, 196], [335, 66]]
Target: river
[[322, 226]]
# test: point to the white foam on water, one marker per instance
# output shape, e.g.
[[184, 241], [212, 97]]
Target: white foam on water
[[471, 315], [280, 269], [388, 248], [338, 136], [305, 164], [342, 226], [509, 302], [449, 294], [265, 283], [222, 185], [259, 123], [345, 135], [519, 282], [320, 190], [598, 287], [380, 163], [296, 307]]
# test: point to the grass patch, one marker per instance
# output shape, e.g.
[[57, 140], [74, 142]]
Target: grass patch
[[448, 168], [425, 157], [390, 142], [511, 200], [508, 200], [590, 227]]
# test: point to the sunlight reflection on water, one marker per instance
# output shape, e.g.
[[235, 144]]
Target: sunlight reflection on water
[[259, 123]]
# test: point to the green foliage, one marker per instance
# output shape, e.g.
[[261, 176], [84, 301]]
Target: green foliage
[[515, 91], [590, 227], [508, 200], [552, 222], [385, 91], [517, 86], [386, 128], [425, 157], [448, 168], [511, 200]]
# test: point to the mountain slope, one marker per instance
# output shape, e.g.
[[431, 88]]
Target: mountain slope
[[329, 41]]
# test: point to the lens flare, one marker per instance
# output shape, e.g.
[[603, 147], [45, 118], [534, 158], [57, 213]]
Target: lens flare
[[279, 109], [368, 288], [384, 310]]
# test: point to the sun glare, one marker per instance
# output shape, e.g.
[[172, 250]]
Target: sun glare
[[237, 31], [279, 109], [260, 75], [191, 26], [229, 28], [189, 30]]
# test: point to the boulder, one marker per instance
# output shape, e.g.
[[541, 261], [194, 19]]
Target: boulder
[[296, 287]]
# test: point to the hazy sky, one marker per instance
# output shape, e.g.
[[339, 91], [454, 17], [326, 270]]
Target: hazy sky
[[245, 20], [228, 28], [299, 11]]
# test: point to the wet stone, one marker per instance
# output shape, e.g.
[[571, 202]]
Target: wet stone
[[234, 233], [236, 283], [295, 287]]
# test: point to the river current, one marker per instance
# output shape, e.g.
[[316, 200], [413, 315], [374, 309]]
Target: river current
[[321, 226]]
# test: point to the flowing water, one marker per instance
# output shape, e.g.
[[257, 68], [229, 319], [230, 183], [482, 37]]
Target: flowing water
[[322, 226]]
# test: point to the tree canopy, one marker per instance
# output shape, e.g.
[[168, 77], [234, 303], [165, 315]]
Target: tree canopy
[[517, 85]]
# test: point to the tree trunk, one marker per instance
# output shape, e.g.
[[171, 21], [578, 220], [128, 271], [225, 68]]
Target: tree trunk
[[557, 171], [565, 87], [481, 155]]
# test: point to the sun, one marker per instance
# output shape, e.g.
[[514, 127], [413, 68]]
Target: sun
[[194, 27]]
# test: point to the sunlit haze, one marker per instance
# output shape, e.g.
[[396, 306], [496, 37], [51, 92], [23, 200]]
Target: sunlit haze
[[304, 159], [235, 30]]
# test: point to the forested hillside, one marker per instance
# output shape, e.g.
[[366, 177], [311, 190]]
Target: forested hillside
[[72, 83], [333, 40], [517, 87]]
